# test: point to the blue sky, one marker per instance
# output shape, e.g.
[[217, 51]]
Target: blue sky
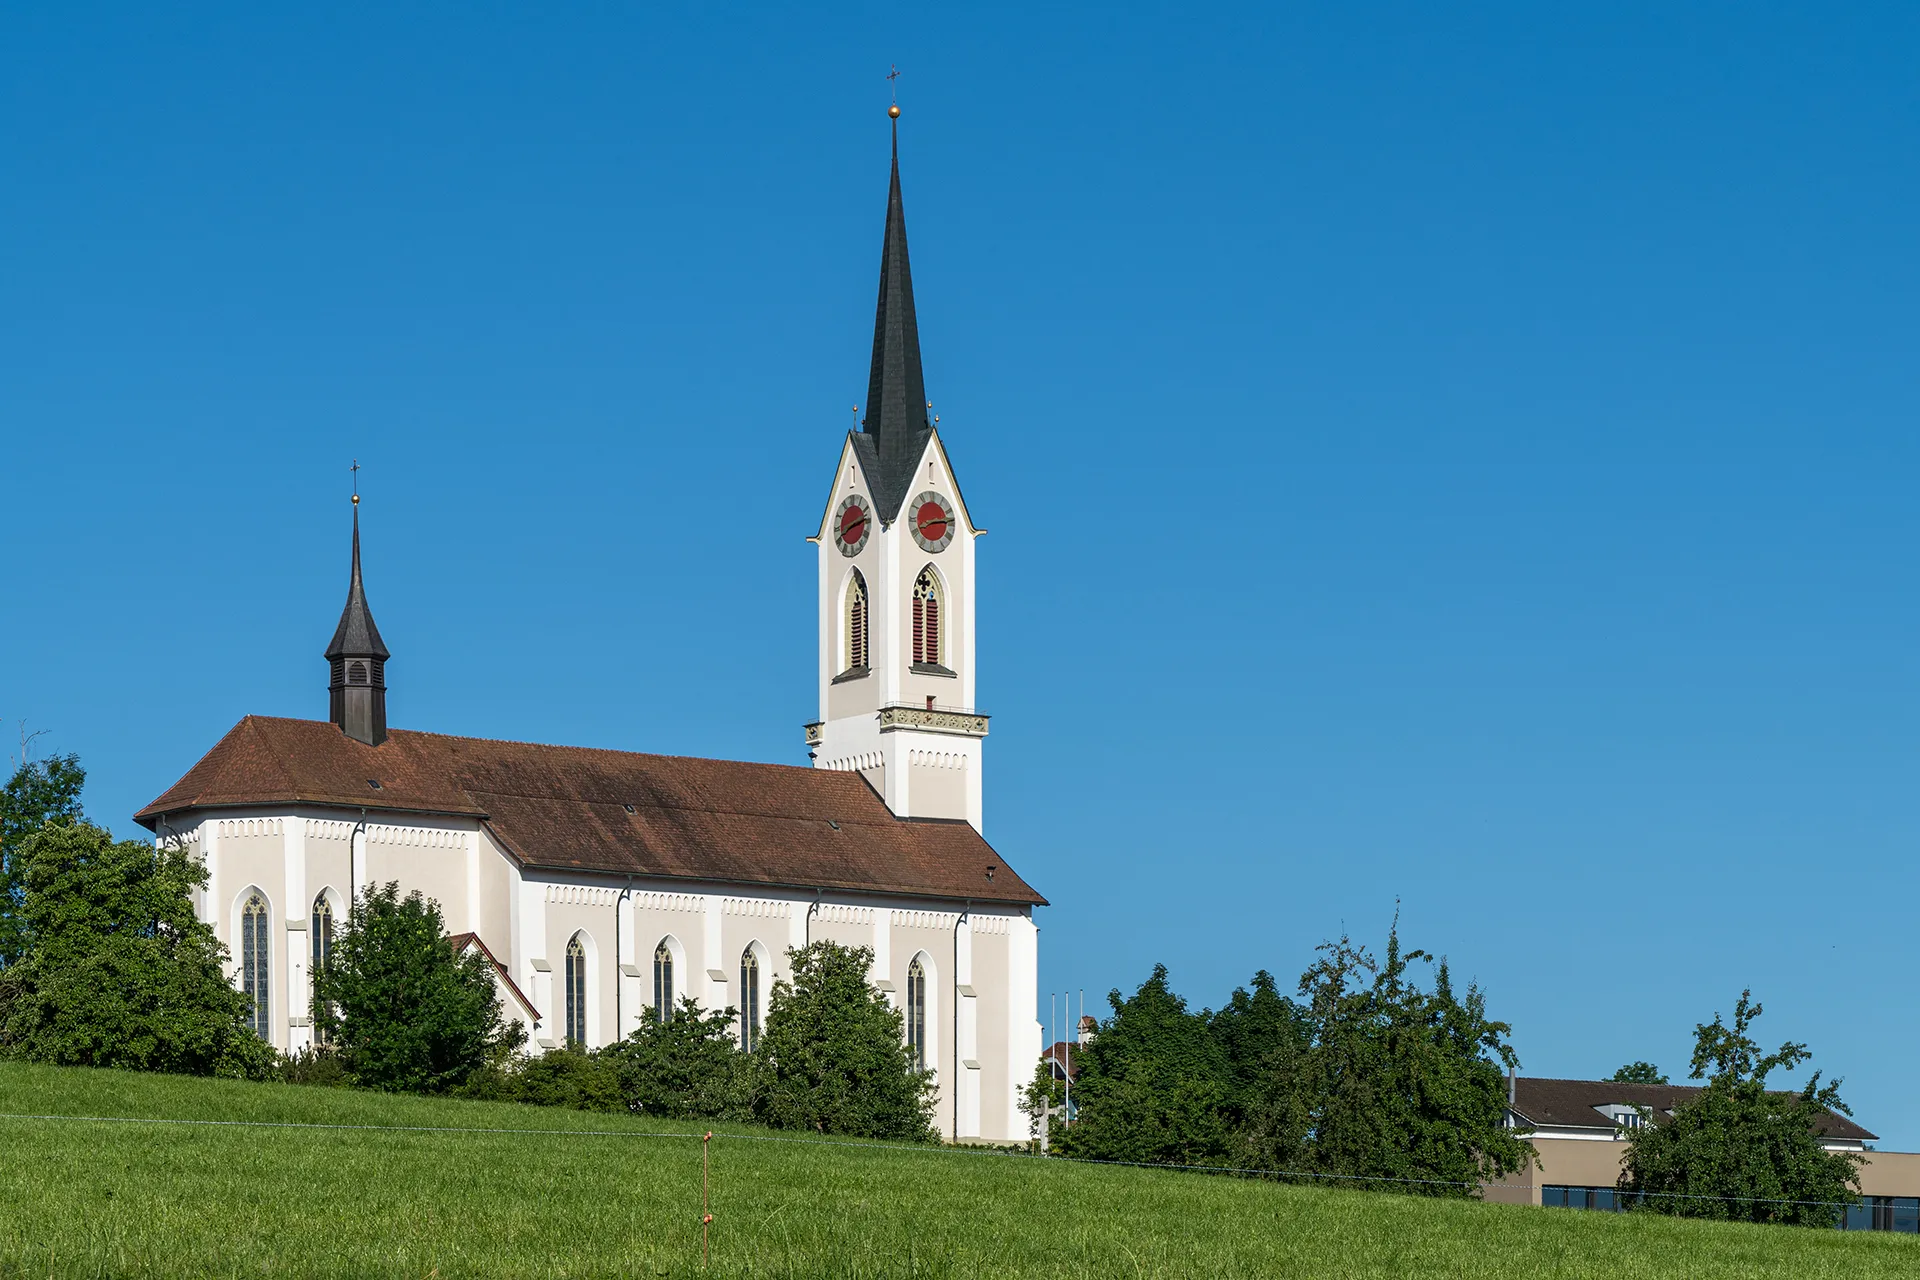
[[1459, 459]]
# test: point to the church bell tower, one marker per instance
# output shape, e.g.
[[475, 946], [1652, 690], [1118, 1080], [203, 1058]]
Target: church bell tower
[[357, 662], [896, 592]]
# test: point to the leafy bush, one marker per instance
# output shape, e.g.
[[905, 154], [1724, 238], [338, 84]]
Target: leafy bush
[[320, 1067], [404, 1012], [687, 1067], [833, 1056], [568, 1077], [114, 969]]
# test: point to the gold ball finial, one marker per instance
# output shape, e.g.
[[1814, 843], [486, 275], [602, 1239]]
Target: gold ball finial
[[894, 111], [356, 499]]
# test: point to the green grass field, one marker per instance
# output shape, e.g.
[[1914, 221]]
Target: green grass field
[[87, 1198]]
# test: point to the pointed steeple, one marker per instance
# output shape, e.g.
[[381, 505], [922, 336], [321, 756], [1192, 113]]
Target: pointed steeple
[[896, 389], [357, 662]]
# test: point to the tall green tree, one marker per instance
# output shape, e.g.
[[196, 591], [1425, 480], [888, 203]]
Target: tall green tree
[[1260, 1031], [404, 1011], [1737, 1149], [1155, 1083], [1391, 1080], [114, 970], [833, 1055], [39, 792], [1638, 1073]]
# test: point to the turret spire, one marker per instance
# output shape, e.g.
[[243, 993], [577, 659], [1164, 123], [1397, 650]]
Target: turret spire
[[896, 389], [357, 662]]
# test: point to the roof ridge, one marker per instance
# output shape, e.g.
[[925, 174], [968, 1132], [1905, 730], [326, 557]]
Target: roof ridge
[[558, 746], [688, 808]]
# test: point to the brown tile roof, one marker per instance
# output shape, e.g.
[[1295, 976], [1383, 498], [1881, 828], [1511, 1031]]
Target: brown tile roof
[[1569, 1104], [461, 941], [567, 809]]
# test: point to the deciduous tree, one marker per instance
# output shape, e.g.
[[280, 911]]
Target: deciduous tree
[[1391, 1081], [39, 792], [833, 1056], [114, 969], [1738, 1149], [1155, 1083], [1638, 1073], [404, 1011]]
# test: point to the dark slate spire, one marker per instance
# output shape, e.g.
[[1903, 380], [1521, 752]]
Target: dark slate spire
[[896, 417], [357, 662]]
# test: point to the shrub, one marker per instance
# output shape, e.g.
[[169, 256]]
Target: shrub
[[403, 1010], [687, 1067], [566, 1077], [833, 1056]]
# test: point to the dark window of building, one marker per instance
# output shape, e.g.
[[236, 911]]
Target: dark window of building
[[749, 1000], [321, 928], [357, 673], [576, 993], [662, 983], [1602, 1198], [1884, 1213], [254, 968], [917, 1014]]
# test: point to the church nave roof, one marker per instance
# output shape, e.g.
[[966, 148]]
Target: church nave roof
[[585, 809]]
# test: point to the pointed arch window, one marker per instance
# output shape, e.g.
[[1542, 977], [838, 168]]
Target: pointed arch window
[[854, 624], [926, 619], [576, 993], [917, 1014], [749, 1000], [663, 983], [320, 937], [321, 927], [255, 975]]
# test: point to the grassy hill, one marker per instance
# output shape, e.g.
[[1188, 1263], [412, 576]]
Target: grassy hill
[[611, 1196]]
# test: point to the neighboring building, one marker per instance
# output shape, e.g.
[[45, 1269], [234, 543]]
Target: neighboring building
[[1579, 1130], [605, 885]]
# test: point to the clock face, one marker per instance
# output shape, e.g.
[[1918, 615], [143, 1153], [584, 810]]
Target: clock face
[[932, 518], [851, 526]]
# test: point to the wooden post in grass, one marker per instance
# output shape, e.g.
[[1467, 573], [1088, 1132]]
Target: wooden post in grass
[[706, 1210]]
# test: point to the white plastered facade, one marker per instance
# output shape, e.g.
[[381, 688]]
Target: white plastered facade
[[982, 962], [915, 734]]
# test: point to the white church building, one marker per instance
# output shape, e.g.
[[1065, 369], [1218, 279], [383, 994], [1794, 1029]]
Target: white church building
[[607, 885]]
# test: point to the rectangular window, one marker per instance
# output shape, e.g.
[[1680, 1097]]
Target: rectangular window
[[1605, 1199], [1884, 1213]]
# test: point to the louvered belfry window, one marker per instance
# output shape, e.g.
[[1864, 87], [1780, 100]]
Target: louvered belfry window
[[357, 673], [926, 619], [856, 622]]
